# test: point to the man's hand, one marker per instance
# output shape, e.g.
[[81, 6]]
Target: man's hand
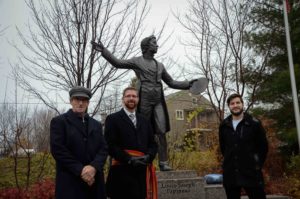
[[97, 46], [87, 174], [145, 159]]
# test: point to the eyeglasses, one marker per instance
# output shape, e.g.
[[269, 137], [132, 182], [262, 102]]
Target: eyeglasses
[[132, 96]]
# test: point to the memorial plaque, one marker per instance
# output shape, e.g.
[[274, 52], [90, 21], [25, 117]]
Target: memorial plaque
[[180, 185]]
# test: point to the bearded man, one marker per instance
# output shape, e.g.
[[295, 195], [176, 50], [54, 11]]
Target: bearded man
[[132, 147], [244, 146]]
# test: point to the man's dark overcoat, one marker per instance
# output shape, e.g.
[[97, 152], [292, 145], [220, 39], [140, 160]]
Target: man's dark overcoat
[[75, 144], [124, 180], [244, 151], [149, 78]]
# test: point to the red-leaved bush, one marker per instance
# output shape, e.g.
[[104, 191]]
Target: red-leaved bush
[[41, 190]]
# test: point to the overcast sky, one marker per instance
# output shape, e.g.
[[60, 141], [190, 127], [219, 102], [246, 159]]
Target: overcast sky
[[14, 13]]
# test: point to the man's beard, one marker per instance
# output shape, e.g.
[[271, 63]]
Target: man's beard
[[237, 113], [129, 105]]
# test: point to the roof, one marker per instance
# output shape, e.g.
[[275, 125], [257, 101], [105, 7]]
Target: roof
[[180, 95]]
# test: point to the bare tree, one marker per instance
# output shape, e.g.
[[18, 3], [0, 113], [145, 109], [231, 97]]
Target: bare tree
[[2, 30], [18, 132], [15, 132], [25, 135], [59, 44], [40, 122], [40, 137], [5, 133], [219, 50]]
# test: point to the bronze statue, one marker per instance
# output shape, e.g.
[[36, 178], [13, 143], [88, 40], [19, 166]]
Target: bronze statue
[[152, 105]]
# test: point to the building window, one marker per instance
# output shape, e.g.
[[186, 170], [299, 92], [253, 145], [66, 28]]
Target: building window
[[179, 115]]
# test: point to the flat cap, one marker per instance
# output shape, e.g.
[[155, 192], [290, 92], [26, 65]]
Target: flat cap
[[80, 91]]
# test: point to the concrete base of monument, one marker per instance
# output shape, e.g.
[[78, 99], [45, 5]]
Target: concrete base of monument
[[180, 185], [187, 185], [270, 197], [218, 192], [214, 191]]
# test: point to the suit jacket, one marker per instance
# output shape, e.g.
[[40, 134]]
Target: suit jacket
[[149, 79], [73, 146], [120, 134], [244, 150]]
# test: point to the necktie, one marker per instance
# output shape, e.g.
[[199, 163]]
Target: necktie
[[133, 119]]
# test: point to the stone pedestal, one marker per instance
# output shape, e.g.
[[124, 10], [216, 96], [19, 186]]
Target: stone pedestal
[[180, 185], [187, 185], [270, 197], [218, 192], [214, 192]]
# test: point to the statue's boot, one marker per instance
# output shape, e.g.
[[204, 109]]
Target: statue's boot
[[163, 166]]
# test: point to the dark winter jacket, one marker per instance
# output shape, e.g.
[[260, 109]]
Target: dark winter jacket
[[75, 144], [244, 151]]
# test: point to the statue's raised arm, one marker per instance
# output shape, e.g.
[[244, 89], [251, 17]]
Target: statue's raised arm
[[97, 46], [114, 61]]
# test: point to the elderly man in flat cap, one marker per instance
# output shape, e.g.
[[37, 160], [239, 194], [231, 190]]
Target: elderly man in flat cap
[[79, 149]]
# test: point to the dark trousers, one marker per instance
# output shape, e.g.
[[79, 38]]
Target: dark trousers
[[252, 192]]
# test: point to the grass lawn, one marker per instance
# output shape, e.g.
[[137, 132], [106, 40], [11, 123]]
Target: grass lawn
[[42, 166]]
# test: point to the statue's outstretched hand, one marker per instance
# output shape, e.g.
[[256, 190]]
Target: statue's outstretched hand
[[192, 81], [97, 46], [199, 85]]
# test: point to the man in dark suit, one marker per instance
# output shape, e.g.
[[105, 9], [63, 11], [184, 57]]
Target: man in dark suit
[[244, 146], [132, 148], [79, 149]]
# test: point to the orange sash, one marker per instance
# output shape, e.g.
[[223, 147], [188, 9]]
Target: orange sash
[[151, 180]]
